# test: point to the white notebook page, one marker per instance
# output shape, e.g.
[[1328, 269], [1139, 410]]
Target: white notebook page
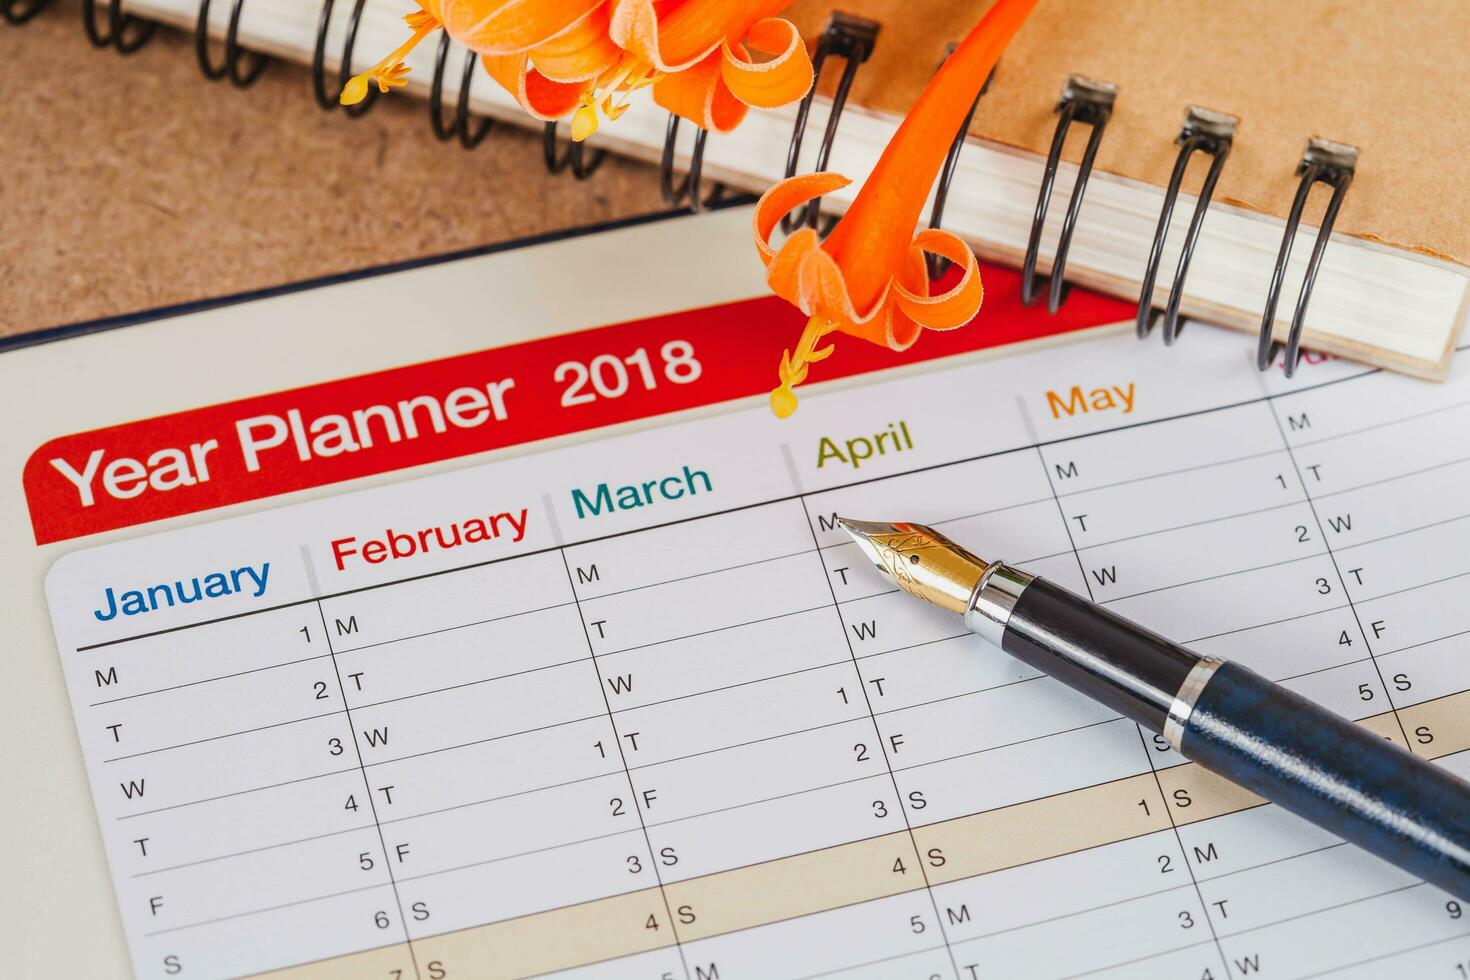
[[677, 729]]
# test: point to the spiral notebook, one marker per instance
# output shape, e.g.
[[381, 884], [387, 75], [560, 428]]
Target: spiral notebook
[[1275, 100], [346, 646]]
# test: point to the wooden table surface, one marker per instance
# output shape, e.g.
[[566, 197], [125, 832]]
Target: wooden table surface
[[128, 183]]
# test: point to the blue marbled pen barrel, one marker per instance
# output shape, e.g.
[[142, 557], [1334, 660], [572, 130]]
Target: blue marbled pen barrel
[[1233, 721]]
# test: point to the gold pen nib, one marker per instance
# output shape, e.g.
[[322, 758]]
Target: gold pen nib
[[920, 560]]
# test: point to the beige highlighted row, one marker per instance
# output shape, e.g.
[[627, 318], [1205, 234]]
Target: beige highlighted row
[[848, 874]]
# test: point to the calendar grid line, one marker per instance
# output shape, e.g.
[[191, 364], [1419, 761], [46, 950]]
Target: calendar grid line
[[481, 741], [760, 801], [967, 635], [709, 632], [303, 964], [1323, 670], [1341, 579], [882, 745], [1398, 420], [1138, 959], [591, 963], [734, 686], [294, 903], [1118, 903], [1206, 522], [459, 626], [942, 521], [1406, 532], [368, 790], [746, 744], [532, 791], [1326, 908], [1386, 956], [627, 771], [694, 575], [1395, 478], [1287, 859], [501, 859], [1165, 474], [225, 735], [1036, 444], [882, 959], [208, 680], [474, 683], [1273, 622], [960, 695], [1425, 643], [252, 850], [1416, 587], [242, 792], [1214, 578]]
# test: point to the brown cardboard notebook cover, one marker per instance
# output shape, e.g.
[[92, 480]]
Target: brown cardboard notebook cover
[[1388, 78]]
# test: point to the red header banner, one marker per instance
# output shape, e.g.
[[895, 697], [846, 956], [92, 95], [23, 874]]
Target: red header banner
[[210, 457]]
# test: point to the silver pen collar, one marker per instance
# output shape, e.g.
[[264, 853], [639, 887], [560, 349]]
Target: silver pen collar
[[995, 595]]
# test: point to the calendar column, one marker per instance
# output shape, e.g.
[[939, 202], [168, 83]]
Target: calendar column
[[227, 756], [1405, 579], [989, 753], [490, 759], [771, 814]]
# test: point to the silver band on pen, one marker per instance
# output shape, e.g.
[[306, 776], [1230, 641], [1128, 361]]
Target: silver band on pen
[[1184, 699], [995, 595]]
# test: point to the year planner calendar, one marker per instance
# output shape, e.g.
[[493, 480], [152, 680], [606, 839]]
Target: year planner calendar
[[478, 619]]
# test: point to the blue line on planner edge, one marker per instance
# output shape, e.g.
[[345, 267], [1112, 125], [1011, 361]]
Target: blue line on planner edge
[[68, 331]]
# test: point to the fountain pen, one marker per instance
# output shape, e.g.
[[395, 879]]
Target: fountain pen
[[1254, 732]]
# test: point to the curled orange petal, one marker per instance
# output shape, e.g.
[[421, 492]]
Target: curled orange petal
[[579, 54], [673, 37], [785, 197], [779, 81], [542, 97], [502, 27], [956, 306], [701, 96]]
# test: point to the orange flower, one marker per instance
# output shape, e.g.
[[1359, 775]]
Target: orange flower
[[586, 57], [868, 278], [698, 52]]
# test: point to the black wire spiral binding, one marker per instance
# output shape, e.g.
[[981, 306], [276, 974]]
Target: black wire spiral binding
[[20, 11], [123, 32], [469, 137], [689, 191], [243, 67], [575, 158], [938, 265], [1090, 103], [1325, 162], [1213, 134], [852, 39], [328, 100]]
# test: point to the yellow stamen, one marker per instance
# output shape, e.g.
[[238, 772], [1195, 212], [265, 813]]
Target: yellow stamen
[[584, 120], [622, 79], [793, 367], [391, 72]]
